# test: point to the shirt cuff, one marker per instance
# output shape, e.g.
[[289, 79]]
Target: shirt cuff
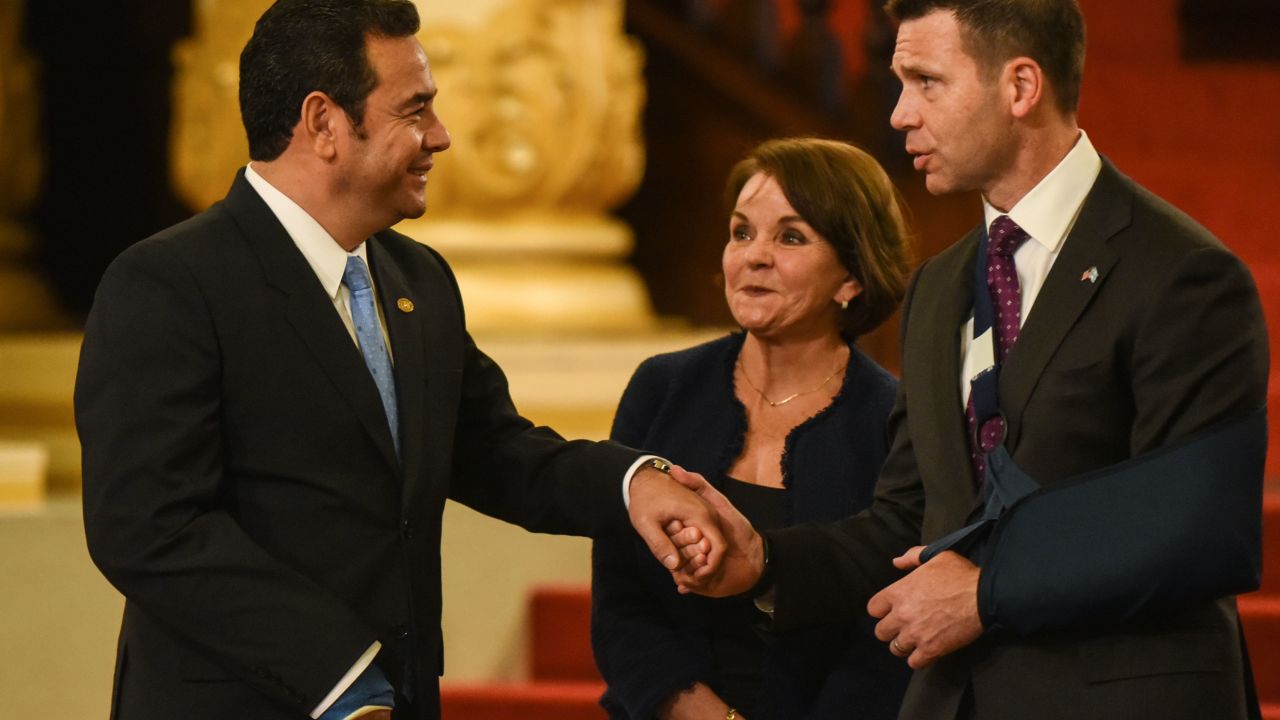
[[631, 472], [345, 683]]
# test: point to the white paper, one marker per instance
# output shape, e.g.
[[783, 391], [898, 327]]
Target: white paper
[[980, 357]]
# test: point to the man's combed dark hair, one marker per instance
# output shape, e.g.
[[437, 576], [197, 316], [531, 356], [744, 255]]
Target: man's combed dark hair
[[844, 195], [301, 46], [1051, 32]]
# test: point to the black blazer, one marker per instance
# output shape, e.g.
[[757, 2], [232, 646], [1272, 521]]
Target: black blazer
[[1168, 341], [241, 489], [650, 641]]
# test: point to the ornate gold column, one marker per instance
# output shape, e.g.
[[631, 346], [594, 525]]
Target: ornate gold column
[[25, 301], [542, 98], [208, 143]]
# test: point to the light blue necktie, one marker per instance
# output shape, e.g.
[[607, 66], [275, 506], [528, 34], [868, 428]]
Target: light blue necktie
[[369, 334]]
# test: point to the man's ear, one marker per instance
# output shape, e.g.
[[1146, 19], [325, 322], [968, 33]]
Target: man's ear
[[1025, 83], [318, 126]]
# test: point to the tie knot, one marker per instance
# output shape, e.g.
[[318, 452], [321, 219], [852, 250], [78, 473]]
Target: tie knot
[[1005, 236], [356, 276]]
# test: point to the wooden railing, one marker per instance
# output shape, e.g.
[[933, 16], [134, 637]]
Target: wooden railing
[[723, 76]]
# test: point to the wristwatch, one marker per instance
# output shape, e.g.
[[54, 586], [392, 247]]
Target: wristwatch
[[658, 464]]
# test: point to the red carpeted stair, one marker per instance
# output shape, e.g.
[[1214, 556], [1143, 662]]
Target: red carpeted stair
[[532, 700], [564, 684], [1260, 612]]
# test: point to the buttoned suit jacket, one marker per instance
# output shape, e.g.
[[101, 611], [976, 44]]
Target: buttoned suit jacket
[[1168, 340], [241, 488]]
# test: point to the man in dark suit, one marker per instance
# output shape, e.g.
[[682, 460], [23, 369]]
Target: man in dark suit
[[276, 397], [1120, 327]]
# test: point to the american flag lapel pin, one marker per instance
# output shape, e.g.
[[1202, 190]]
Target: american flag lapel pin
[[1091, 274]]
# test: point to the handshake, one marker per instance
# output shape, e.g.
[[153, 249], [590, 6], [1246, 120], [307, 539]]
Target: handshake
[[702, 539], [711, 549]]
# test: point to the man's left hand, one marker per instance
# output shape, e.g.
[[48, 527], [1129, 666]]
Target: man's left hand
[[931, 612]]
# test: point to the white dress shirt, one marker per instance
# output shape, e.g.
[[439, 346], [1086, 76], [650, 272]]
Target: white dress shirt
[[1047, 213], [327, 258]]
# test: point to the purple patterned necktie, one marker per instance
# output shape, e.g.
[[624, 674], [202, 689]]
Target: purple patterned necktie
[[1006, 297]]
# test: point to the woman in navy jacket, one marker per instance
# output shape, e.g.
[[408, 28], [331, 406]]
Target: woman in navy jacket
[[787, 418]]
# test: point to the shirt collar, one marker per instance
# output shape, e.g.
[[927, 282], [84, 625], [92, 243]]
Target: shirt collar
[[1050, 209], [327, 258]]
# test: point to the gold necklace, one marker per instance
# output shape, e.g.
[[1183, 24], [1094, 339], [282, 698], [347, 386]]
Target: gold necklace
[[788, 398]]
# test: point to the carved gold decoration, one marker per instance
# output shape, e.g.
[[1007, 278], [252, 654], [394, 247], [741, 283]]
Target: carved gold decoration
[[542, 99], [25, 301], [208, 143], [542, 102]]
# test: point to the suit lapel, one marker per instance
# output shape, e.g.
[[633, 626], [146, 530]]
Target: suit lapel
[[310, 312], [404, 325], [934, 352], [1065, 294]]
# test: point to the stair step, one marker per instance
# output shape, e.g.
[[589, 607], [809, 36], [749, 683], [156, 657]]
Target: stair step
[[560, 635], [528, 701], [1260, 615]]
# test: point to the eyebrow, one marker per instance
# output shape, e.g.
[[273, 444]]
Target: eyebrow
[[913, 67], [784, 219], [421, 98]]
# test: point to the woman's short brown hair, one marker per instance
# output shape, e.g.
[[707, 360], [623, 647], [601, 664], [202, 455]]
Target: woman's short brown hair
[[843, 194]]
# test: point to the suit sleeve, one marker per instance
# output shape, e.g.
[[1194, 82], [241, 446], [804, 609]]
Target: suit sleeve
[[826, 572], [641, 653], [507, 468], [147, 404], [1200, 354]]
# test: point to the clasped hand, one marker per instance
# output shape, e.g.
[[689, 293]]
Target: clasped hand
[[737, 569], [928, 614], [680, 527], [931, 612]]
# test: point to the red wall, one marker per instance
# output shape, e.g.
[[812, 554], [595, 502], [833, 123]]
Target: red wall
[[1203, 135]]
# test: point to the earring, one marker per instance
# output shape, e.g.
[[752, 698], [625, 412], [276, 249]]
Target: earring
[[844, 304]]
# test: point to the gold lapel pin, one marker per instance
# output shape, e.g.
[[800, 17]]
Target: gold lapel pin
[[405, 305]]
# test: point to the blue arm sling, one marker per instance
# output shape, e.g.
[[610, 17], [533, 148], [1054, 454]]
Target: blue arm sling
[[1178, 525]]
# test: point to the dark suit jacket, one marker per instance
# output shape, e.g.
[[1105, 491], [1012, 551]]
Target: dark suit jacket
[[1168, 341], [240, 484], [650, 641]]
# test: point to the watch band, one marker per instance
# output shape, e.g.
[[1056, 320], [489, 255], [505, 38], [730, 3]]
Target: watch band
[[766, 581], [658, 464]]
